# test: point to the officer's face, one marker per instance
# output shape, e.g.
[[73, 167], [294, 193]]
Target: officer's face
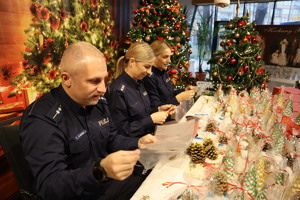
[[89, 84], [141, 69], [163, 60]]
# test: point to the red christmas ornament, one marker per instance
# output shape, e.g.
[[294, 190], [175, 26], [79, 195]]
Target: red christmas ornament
[[254, 40], [177, 25], [222, 43], [136, 11], [260, 70], [232, 61], [246, 68], [54, 22], [172, 71], [156, 23], [241, 72], [190, 51], [160, 14], [187, 39], [229, 43], [258, 58], [143, 3], [154, 12], [229, 78], [240, 24], [248, 36], [160, 38], [171, 17]]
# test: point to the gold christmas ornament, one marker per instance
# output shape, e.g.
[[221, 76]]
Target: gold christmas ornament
[[215, 73], [237, 35], [147, 38]]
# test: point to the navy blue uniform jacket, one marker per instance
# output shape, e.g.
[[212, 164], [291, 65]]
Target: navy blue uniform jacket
[[62, 141], [129, 105], [160, 89]]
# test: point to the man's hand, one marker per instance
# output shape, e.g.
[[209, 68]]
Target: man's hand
[[186, 95], [119, 165], [147, 139], [159, 117]]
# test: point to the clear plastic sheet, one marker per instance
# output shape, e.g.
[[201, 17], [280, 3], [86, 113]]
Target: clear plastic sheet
[[172, 140]]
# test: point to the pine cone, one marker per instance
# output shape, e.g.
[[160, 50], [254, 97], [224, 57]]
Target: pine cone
[[207, 142], [211, 152], [220, 186], [267, 146], [223, 139], [211, 127], [197, 153]]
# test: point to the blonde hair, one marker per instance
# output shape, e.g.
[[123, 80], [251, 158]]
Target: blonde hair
[[76, 54], [140, 51], [158, 46]]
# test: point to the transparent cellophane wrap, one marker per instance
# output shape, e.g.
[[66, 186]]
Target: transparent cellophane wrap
[[172, 140]]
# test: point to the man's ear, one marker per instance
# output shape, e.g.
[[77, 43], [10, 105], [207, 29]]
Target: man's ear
[[66, 79]]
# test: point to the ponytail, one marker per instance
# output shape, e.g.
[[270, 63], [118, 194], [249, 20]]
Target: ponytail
[[120, 66]]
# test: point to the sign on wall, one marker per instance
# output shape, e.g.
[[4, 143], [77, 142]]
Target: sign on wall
[[281, 44]]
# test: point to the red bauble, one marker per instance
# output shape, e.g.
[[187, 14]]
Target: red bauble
[[254, 40], [246, 68], [187, 39], [154, 12], [160, 38], [222, 43], [258, 58], [229, 42], [136, 11], [190, 51], [229, 78], [240, 24], [232, 61], [260, 70], [172, 71], [156, 23], [171, 17], [248, 36], [241, 72], [178, 25]]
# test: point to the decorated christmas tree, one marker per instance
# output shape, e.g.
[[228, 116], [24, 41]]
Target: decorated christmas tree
[[238, 62], [55, 25], [165, 20]]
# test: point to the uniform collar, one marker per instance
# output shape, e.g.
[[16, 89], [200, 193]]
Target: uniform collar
[[69, 102], [129, 80], [157, 71]]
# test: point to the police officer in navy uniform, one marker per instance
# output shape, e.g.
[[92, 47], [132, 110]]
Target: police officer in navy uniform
[[69, 139], [158, 83], [127, 97]]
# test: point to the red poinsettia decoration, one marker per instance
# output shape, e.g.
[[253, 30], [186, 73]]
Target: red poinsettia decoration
[[44, 13], [47, 43], [63, 14], [35, 9], [54, 22], [84, 26], [52, 74], [36, 70]]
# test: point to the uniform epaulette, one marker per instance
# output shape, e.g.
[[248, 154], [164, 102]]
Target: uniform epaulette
[[122, 87], [55, 113]]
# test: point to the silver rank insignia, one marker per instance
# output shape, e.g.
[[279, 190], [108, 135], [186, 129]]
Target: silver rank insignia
[[57, 112]]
